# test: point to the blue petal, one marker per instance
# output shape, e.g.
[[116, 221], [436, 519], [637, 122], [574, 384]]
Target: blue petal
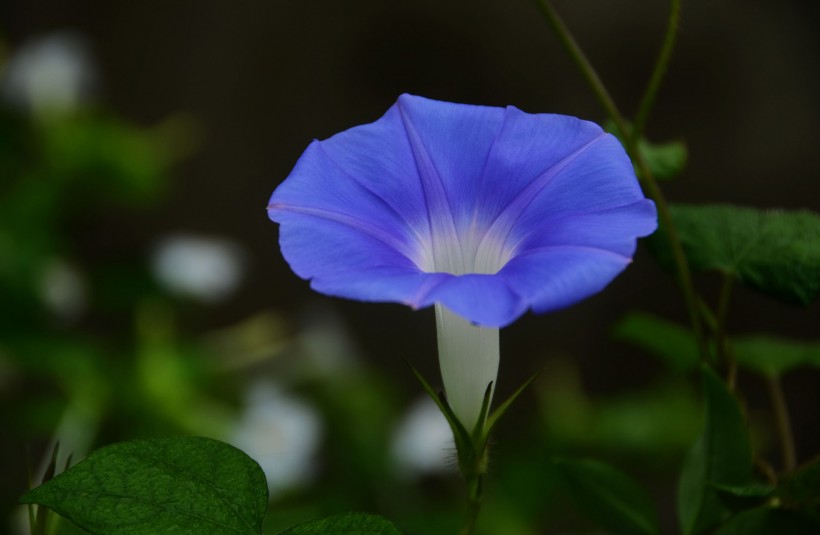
[[558, 276], [613, 229], [383, 284], [486, 300], [527, 147], [318, 247], [378, 158], [320, 188], [600, 177], [451, 143], [389, 210]]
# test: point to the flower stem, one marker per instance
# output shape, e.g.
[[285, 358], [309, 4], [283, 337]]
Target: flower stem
[[783, 422], [660, 69], [474, 494], [598, 88]]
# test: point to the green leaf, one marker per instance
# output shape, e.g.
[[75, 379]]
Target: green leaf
[[609, 497], [774, 251], [743, 497], [771, 356], [802, 488], [665, 160], [187, 484], [673, 343], [721, 456], [752, 490], [767, 355], [345, 524], [767, 521]]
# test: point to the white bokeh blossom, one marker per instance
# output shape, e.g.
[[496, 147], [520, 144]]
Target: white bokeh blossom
[[282, 433]]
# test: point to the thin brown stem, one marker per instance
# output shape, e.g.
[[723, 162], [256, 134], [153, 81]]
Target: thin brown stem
[[660, 69], [584, 65], [727, 357], [783, 423], [654, 191]]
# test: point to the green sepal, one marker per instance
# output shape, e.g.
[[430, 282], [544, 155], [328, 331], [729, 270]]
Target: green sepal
[[481, 432], [463, 439], [472, 447], [502, 409]]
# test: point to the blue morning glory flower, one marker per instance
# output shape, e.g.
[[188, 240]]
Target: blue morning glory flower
[[484, 212]]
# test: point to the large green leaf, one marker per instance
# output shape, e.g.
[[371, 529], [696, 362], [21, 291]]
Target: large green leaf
[[771, 356], [609, 497], [186, 485], [673, 343], [345, 524], [721, 456], [776, 252]]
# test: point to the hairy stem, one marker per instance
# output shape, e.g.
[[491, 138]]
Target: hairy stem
[[783, 422], [474, 494], [661, 64], [654, 191]]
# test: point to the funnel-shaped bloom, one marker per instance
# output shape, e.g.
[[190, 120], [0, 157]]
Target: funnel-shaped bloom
[[486, 212]]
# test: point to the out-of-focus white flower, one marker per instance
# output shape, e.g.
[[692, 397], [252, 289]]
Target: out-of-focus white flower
[[423, 442], [325, 343], [48, 75], [206, 269], [281, 433], [63, 290]]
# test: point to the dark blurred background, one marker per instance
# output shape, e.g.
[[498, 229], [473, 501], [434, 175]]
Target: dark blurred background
[[246, 85]]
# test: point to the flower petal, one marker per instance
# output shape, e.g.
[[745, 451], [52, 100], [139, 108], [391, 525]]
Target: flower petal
[[487, 211], [383, 284], [601, 178], [318, 247], [613, 229], [486, 300], [320, 188], [558, 276], [378, 157], [527, 147], [457, 140]]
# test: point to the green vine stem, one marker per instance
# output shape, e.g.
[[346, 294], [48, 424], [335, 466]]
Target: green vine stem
[[726, 355], [603, 97], [783, 423], [661, 64], [584, 65]]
